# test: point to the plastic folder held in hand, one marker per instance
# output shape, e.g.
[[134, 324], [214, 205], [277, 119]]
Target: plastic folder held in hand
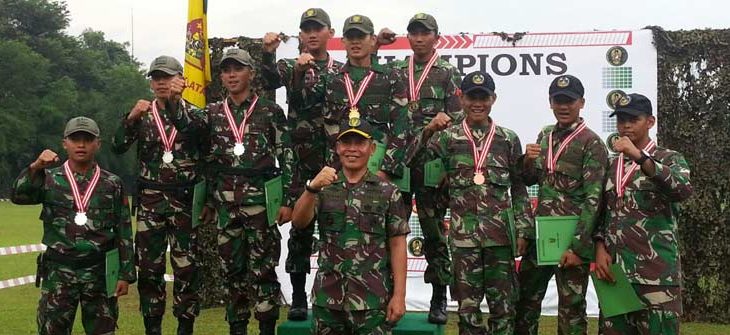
[[199, 196], [553, 234], [274, 191], [376, 160], [433, 173], [112, 272], [616, 298]]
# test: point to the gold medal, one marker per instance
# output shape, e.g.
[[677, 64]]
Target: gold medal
[[479, 178], [413, 106], [354, 113]]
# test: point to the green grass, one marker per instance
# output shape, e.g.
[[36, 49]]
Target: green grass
[[20, 225], [14, 266]]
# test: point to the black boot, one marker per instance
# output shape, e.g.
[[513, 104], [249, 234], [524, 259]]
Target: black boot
[[267, 327], [437, 312], [185, 326], [238, 327], [298, 310], [153, 325]]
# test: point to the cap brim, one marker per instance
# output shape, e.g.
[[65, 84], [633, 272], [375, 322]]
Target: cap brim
[[566, 93], [168, 71], [233, 59], [315, 20], [358, 28], [354, 131], [478, 89], [629, 111], [421, 23], [67, 134]]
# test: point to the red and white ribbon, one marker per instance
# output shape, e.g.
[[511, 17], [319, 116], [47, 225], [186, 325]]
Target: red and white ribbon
[[330, 63], [355, 98], [239, 131], [81, 201], [552, 159], [167, 141], [623, 176], [415, 88], [480, 155]]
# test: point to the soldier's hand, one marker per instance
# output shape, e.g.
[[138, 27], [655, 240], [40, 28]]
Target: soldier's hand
[[284, 215], [383, 175], [440, 122], [569, 259], [603, 263], [324, 178], [177, 85], [271, 42], [139, 109], [521, 246], [46, 159], [624, 145], [122, 288], [385, 37], [207, 215], [396, 309], [532, 151], [304, 62]]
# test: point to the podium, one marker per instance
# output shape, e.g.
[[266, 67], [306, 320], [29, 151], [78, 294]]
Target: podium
[[411, 324]]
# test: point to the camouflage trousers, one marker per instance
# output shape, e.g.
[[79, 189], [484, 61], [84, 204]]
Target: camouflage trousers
[[335, 322], [249, 249], [572, 285], [154, 233], [63, 289], [431, 204], [485, 271], [660, 318]]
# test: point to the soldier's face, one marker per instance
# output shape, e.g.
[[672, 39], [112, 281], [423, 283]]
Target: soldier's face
[[314, 36], [354, 151], [566, 109], [421, 39], [477, 106], [636, 128], [81, 146], [236, 77], [160, 84], [358, 44]]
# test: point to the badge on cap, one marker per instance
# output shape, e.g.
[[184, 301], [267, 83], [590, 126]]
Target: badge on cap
[[311, 12], [624, 101], [563, 82], [617, 56], [420, 16], [477, 79], [356, 19]]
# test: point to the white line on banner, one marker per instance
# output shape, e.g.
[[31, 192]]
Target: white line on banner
[[22, 249]]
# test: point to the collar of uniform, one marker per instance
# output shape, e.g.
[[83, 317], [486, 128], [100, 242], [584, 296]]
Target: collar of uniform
[[86, 176], [248, 101], [374, 66], [368, 178], [562, 131]]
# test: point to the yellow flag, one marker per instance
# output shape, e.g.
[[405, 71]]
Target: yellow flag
[[197, 53]]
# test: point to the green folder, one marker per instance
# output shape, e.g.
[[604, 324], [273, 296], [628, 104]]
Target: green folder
[[404, 183], [199, 196], [112, 271], [616, 298], [433, 173], [274, 191], [512, 231], [554, 234], [376, 160]]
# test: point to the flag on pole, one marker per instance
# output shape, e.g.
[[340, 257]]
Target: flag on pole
[[197, 54]]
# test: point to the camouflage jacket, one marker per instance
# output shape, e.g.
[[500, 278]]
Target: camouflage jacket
[[641, 231], [481, 214], [184, 169], [109, 224], [355, 223], [305, 120], [383, 105], [240, 181], [576, 187]]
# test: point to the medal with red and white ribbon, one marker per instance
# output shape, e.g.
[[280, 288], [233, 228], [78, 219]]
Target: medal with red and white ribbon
[[81, 202], [480, 155], [552, 159], [239, 131], [330, 63], [623, 176], [167, 141], [415, 88], [355, 98]]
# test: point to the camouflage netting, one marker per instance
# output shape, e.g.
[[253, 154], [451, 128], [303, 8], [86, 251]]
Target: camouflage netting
[[694, 118]]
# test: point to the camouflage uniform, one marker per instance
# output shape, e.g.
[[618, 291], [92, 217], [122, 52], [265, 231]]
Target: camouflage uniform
[[165, 198], [248, 245], [439, 93], [484, 220], [308, 144], [73, 267], [574, 189], [354, 284], [641, 235]]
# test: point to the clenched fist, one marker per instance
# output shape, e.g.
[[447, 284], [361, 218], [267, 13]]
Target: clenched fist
[[440, 122], [624, 145], [46, 159], [324, 178], [177, 85], [532, 151], [304, 62], [271, 42], [139, 109], [385, 37]]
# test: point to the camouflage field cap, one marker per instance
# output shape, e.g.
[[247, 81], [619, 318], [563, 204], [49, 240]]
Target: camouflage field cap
[[359, 22], [239, 55], [81, 123], [166, 64], [317, 15], [424, 19]]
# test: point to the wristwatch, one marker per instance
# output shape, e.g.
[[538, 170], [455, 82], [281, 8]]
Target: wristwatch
[[644, 157], [311, 189]]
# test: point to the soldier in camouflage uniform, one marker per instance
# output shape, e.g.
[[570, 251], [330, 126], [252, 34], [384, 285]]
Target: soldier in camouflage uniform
[[165, 193], [489, 206], [639, 227], [306, 122], [360, 285], [436, 98], [78, 233], [248, 135], [364, 89], [570, 184]]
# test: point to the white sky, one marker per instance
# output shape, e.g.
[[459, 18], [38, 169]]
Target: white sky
[[159, 25]]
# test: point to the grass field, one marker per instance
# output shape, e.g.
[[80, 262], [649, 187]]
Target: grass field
[[20, 226]]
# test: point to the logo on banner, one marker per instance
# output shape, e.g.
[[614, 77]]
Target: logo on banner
[[617, 56], [415, 246], [613, 98]]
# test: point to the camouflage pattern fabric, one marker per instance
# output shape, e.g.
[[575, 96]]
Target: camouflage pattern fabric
[[108, 227], [355, 225], [660, 318], [575, 188], [337, 322]]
